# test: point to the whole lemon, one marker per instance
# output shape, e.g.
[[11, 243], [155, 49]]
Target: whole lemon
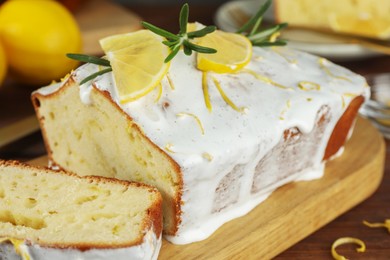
[[3, 64], [36, 35]]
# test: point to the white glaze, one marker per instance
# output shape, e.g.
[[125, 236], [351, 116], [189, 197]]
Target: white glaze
[[232, 138], [149, 249]]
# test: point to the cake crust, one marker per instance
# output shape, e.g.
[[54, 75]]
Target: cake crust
[[342, 129]]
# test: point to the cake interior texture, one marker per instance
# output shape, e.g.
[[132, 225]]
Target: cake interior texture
[[86, 144], [65, 211]]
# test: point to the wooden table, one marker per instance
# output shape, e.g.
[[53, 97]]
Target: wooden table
[[15, 104]]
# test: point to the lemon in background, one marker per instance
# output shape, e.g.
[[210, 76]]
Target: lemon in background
[[36, 35], [3, 65]]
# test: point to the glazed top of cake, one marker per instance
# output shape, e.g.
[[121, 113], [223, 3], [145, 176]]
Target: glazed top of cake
[[280, 88]]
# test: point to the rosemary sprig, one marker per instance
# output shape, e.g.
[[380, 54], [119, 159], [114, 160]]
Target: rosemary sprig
[[262, 37], [91, 59], [176, 41]]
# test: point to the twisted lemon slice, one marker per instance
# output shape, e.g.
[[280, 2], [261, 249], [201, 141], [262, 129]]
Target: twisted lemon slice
[[234, 51], [137, 61]]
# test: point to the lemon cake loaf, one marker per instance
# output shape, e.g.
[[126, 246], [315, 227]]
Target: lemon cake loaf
[[214, 144], [47, 214], [360, 17]]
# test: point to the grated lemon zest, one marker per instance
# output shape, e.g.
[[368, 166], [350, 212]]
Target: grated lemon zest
[[386, 224], [257, 58], [17, 243], [226, 98], [264, 79], [288, 105], [170, 82], [308, 85], [196, 119], [168, 147], [274, 36], [160, 89], [322, 61], [67, 76], [207, 156], [206, 95], [347, 240]]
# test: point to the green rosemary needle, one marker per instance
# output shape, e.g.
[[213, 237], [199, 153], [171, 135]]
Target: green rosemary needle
[[91, 59], [182, 39], [262, 37]]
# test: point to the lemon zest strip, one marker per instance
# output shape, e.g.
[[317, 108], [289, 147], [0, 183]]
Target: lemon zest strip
[[347, 240], [170, 81], [342, 101], [350, 94], [194, 117], [160, 89], [288, 105], [53, 82], [264, 79], [386, 224], [206, 95], [308, 85], [17, 245], [322, 61], [226, 98]]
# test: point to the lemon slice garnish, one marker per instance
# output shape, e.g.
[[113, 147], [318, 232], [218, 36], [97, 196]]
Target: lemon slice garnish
[[234, 51], [137, 61], [369, 27]]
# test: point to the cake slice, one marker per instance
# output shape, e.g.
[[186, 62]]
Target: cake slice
[[47, 214], [359, 17]]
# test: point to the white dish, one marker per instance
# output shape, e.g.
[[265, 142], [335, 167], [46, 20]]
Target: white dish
[[313, 42]]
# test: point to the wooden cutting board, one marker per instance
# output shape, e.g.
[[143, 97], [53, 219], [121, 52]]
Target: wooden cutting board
[[295, 210]]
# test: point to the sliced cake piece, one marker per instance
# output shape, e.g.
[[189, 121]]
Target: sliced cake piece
[[365, 18], [46, 214]]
